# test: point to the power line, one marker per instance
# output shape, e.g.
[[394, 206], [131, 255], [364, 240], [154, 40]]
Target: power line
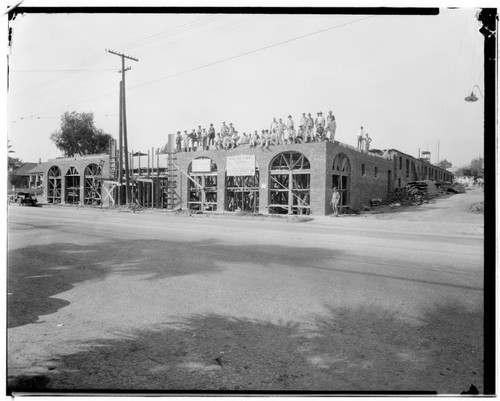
[[250, 52], [70, 70], [91, 60], [22, 119], [217, 62], [171, 32]]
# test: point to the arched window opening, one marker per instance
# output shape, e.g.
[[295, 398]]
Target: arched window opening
[[290, 184], [341, 178], [72, 185], [93, 185], [54, 185], [202, 185], [242, 192]]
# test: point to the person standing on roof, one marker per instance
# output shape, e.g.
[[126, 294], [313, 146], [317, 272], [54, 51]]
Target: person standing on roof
[[224, 129], [204, 138], [310, 128], [360, 138], [368, 140], [185, 141], [320, 126], [193, 139], [290, 129], [331, 127], [274, 126], [211, 135], [199, 136], [178, 141], [303, 126], [281, 131]]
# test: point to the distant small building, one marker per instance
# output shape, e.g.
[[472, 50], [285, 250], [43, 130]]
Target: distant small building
[[20, 177], [71, 180]]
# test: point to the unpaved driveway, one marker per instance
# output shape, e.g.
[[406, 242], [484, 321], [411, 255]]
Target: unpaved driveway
[[121, 301]]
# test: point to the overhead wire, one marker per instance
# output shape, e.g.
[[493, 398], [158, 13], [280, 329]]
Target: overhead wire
[[217, 62], [232, 26], [249, 52], [98, 57], [60, 70], [168, 33]]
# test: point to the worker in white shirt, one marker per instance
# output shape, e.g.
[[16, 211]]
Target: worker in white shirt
[[361, 134], [368, 140], [331, 127], [310, 128], [320, 126]]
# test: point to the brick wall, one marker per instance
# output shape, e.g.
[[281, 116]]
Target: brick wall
[[421, 171], [80, 163], [362, 187], [320, 155]]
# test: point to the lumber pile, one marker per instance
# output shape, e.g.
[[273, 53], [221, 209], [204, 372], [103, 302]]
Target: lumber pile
[[414, 193]]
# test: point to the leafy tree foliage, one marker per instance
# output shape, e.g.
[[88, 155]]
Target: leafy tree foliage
[[78, 135], [475, 169], [163, 150], [445, 164], [12, 164]]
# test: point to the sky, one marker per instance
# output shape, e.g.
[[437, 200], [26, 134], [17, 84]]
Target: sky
[[403, 78]]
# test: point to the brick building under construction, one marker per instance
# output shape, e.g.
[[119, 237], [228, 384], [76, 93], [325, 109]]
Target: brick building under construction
[[284, 179]]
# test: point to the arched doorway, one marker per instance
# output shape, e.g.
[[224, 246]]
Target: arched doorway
[[290, 184], [242, 192], [72, 181], [202, 185], [92, 190], [341, 178], [54, 185]]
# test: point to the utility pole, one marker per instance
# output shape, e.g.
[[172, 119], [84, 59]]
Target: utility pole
[[124, 122], [120, 151]]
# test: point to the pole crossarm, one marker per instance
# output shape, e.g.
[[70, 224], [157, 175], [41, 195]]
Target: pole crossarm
[[121, 55]]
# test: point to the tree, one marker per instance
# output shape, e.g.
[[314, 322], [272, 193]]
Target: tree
[[13, 163], [474, 169], [444, 164], [78, 135]]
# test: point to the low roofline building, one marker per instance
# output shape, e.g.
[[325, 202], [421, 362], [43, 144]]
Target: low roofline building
[[292, 179]]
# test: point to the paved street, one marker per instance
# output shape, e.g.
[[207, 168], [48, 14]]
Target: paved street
[[109, 300]]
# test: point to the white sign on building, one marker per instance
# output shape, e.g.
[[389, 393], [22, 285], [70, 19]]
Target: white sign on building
[[201, 166], [241, 165]]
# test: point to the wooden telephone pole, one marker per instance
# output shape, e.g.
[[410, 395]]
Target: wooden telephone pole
[[123, 127]]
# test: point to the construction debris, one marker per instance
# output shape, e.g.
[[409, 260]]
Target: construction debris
[[477, 208], [131, 207], [415, 193], [456, 188]]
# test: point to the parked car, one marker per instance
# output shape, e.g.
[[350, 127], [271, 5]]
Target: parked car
[[25, 198]]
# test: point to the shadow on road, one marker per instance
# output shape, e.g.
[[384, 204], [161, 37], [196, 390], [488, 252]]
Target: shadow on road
[[37, 273], [345, 350]]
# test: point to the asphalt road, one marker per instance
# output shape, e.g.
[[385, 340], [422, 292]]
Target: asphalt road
[[108, 300]]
